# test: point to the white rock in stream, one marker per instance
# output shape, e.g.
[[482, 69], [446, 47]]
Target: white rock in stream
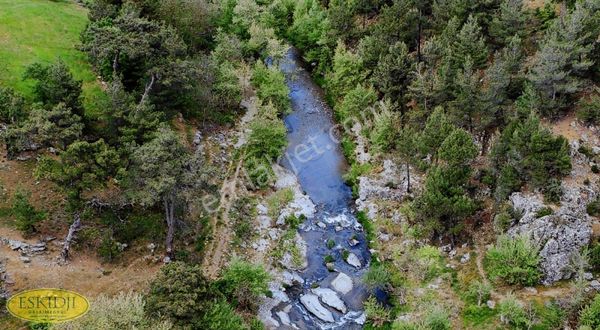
[[353, 260], [330, 298], [284, 317], [301, 204], [312, 304], [342, 283]]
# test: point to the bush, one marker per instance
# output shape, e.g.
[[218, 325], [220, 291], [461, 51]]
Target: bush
[[108, 249], [553, 191], [514, 260], [219, 316], [429, 262], [243, 284], [124, 311], [594, 256], [593, 208], [589, 110], [590, 315], [544, 211], [270, 87], [376, 277], [377, 315], [503, 219], [437, 319], [478, 292], [26, 216], [513, 314], [180, 293]]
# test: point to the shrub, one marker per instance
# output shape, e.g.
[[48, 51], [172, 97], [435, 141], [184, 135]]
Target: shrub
[[376, 277], [180, 293], [590, 315], [543, 212], [478, 292], [478, 315], [26, 216], [437, 319], [513, 313], [514, 260], [219, 316], [124, 311], [594, 256], [595, 169], [243, 277], [377, 314], [268, 135], [384, 132], [503, 219], [593, 208], [552, 191], [108, 249], [429, 261], [589, 110], [271, 87]]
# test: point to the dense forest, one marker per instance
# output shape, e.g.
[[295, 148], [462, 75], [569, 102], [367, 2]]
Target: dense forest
[[471, 129]]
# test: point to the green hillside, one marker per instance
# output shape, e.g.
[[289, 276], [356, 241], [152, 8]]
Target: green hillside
[[42, 31]]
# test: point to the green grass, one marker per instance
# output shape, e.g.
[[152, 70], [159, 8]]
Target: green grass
[[44, 31]]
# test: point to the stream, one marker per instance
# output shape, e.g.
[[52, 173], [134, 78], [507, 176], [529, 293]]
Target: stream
[[314, 155]]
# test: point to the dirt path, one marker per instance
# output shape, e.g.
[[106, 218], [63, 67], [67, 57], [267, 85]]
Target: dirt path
[[221, 231]]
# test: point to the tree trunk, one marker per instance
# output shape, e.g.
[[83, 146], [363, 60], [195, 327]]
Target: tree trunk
[[70, 236], [419, 27], [169, 204], [407, 178]]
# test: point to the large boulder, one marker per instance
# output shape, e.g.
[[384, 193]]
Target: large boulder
[[330, 298], [560, 234], [312, 304], [390, 184], [342, 283]]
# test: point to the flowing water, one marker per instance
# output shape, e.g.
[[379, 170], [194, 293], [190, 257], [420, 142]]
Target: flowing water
[[314, 155]]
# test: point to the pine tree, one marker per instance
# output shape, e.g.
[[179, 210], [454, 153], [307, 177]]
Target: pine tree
[[469, 42], [509, 22], [466, 108], [437, 128], [565, 56], [392, 75], [347, 72]]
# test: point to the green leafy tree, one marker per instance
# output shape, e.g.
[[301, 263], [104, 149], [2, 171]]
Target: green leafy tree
[[83, 165], [509, 22], [26, 216], [194, 20], [271, 87], [346, 73], [466, 110], [392, 75], [437, 128], [158, 174], [244, 284], [130, 45], [385, 127], [470, 42], [57, 128], [527, 151], [444, 202], [341, 15], [355, 103], [566, 54], [181, 293], [12, 106], [54, 84]]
